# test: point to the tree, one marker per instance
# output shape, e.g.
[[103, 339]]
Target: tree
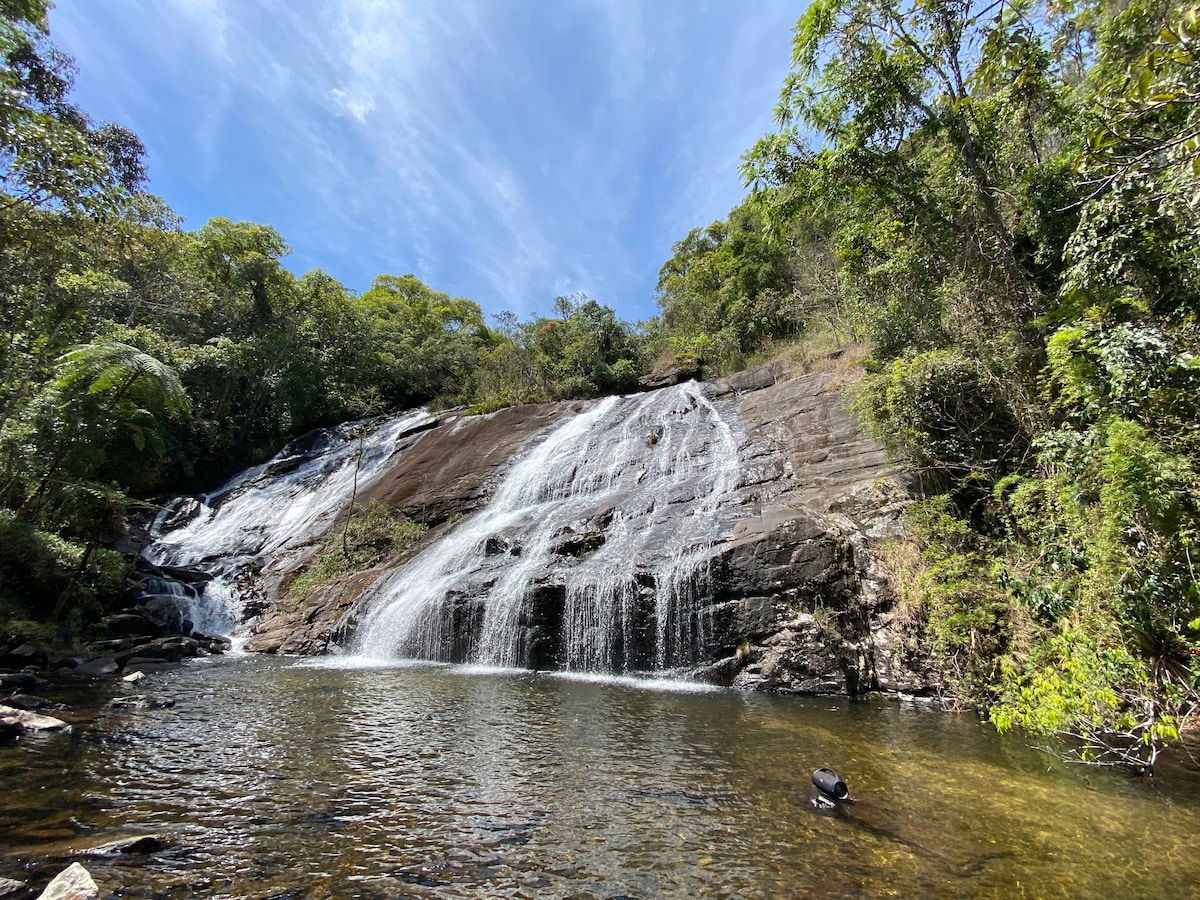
[[242, 261], [944, 121], [426, 341], [726, 290], [51, 154]]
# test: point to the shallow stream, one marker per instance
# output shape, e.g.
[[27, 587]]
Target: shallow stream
[[337, 778]]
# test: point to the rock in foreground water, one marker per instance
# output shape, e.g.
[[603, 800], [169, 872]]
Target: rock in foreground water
[[19, 721], [72, 883]]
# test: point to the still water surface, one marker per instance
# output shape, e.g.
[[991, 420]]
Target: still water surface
[[282, 778]]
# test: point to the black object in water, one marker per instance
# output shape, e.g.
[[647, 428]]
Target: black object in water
[[830, 784]]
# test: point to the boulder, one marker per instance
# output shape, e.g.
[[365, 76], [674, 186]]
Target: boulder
[[666, 378], [167, 649], [73, 883], [132, 623], [100, 667], [116, 645], [213, 643], [24, 655], [14, 890], [32, 703], [21, 681], [20, 721]]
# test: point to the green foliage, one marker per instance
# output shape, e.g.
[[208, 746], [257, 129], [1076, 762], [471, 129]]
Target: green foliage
[[39, 568], [722, 293], [425, 344], [1082, 685], [946, 414], [51, 155], [1015, 232], [371, 534], [585, 351], [951, 590]]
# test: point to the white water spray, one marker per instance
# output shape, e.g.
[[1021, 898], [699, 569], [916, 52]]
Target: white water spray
[[270, 515], [601, 533]]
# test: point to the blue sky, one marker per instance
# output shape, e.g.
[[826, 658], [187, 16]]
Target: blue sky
[[507, 151]]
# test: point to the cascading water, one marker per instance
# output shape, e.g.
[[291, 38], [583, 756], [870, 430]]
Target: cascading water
[[591, 556], [267, 516]]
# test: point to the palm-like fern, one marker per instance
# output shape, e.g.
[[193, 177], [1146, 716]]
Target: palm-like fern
[[111, 366]]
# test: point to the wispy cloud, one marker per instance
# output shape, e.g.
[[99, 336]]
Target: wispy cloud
[[505, 150]]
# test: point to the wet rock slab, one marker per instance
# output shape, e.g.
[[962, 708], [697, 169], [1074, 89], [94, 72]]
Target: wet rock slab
[[798, 601]]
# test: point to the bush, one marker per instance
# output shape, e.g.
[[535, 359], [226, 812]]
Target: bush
[[944, 412], [374, 533]]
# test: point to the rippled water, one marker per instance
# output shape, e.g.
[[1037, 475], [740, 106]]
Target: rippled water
[[279, 778]]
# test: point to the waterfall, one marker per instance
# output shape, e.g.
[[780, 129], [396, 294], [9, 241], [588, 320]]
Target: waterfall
[[268, 516], [592, 555]]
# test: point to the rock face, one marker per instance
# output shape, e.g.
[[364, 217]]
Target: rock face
[[450, 471], [811, 598], [791, 595]]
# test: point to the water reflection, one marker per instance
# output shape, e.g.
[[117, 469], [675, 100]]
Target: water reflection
[[353, 779]]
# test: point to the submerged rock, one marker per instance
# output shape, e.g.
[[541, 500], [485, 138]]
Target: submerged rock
[[127, 846], [140, 701], [32, 703]]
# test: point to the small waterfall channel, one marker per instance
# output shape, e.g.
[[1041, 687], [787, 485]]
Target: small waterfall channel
[[591, 556], [264, 518]]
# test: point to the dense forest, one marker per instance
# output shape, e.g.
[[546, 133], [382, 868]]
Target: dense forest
[[992, 209]]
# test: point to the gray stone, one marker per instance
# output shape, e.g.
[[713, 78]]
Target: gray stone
[[167, 649], [32, 703], [21, 681], [22, 656], [25, 722], [213, 643], [130, 623], [101, 667], [72, 883]]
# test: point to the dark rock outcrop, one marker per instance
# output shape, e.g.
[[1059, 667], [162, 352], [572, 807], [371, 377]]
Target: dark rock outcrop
[[23, 655], [672, 376]]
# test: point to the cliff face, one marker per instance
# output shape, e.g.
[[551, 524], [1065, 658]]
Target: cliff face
[[791, 595]]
